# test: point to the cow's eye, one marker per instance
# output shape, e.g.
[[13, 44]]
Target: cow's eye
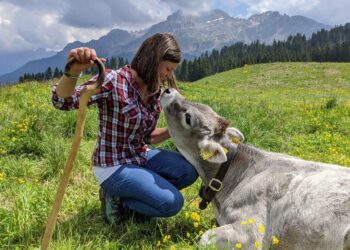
[[188, 118]]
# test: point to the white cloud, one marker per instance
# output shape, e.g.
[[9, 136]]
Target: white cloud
[[324, 11], [51, 24]]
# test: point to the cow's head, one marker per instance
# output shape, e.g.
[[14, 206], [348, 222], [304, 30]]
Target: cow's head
[[198, 132]]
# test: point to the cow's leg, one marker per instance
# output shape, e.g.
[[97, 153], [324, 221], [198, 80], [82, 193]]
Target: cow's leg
[[224, 237], [347, 240]]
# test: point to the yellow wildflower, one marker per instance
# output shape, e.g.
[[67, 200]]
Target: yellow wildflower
[[187, 214], [195, 216], [251, 220], [188, 235], [257, 244], [21, 180], [261, 228], [200, 232], [238, 245], [195, 204], [275, 240], [244, 222], [158, 243], [196, 224], [172, 248], [166, 238]]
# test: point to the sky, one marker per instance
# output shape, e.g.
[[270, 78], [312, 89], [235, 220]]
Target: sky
[[51, 24]]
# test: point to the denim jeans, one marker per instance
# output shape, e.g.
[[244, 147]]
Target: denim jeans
[[153, 189]]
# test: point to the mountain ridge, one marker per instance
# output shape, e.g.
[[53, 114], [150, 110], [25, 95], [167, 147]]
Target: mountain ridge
[[196, 34]]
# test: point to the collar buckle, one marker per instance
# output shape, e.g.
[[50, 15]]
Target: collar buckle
[[215, 184]]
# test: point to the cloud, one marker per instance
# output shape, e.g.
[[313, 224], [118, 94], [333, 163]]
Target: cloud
[[192, 6], [109, 13], [51, 24], [320, 10]]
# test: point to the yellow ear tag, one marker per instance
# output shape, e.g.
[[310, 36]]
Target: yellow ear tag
[[206, 154], [235, 140]]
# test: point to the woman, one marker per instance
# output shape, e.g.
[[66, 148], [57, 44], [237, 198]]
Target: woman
[[132, 177]]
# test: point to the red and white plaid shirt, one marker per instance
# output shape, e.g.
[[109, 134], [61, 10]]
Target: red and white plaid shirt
[[125, 122]]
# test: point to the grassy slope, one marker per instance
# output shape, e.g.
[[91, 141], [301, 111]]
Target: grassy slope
[[302, 109]]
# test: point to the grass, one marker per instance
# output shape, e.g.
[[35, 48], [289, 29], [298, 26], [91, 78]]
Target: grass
[[302, 109]]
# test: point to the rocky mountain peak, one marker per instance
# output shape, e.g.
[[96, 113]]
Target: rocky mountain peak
[[196, 34]]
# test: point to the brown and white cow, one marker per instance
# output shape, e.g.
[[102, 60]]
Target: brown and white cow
[[268, 200]]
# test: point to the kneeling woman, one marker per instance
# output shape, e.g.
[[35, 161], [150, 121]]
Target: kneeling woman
[[133, 178]]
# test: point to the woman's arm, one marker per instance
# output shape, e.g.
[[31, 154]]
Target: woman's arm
[[159, 135], [84, 60]]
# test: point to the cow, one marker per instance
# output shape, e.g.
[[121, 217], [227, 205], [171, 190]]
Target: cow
[[267, 200]]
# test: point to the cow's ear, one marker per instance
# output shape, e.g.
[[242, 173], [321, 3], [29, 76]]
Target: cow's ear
[[212, 151], [235, 135]]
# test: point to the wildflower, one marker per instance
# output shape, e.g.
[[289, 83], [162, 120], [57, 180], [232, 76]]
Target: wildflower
[[251, 221], [195, 204], [188, 235], [261, 228], [213, 226], [158, 243], [36, 180], [244, 222], [200, 232], [187, 215], [166, 238], [257, 244], [238, 245], [196, 224], [21, 180], [275, 240], [195, 216], [172, 248]]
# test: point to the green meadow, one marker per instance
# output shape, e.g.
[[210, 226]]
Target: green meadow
[[301, 109]]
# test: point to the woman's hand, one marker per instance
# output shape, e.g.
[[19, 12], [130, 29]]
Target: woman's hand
[[84, 58]]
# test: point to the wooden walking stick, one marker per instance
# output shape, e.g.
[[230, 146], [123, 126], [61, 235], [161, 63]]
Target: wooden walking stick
[[84, 99]]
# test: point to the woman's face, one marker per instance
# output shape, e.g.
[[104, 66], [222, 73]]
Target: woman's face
[[166, 69]]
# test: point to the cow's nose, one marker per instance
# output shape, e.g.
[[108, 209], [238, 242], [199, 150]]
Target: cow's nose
[[167, 91]]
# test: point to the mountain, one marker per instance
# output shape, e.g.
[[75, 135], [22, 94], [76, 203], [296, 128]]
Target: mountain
[[13, 60], [195, 34]]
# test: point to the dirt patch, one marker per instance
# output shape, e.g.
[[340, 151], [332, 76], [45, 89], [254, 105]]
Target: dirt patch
[[5, 203], [331, 72]]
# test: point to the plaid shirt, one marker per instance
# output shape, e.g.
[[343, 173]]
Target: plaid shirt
[[125, 122]]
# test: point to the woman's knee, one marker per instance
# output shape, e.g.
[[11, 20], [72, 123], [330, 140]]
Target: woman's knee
[[189, 175], [172, 205]]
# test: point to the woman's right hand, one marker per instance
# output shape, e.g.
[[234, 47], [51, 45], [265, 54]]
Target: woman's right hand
[[84, 58]]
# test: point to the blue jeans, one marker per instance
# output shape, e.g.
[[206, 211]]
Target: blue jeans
[[153, 189]]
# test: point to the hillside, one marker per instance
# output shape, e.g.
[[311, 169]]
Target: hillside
[[302, 109]]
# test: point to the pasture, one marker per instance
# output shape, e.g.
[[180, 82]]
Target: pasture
[[301, 109]]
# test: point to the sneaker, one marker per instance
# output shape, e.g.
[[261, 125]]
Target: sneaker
[[111, 206]]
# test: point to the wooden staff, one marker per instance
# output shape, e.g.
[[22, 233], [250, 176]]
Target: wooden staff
[[79, 130]]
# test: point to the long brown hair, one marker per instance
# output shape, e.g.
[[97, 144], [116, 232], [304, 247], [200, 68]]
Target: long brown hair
[[157, 48]]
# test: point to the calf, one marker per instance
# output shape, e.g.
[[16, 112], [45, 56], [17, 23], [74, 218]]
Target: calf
[[267, 200]]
